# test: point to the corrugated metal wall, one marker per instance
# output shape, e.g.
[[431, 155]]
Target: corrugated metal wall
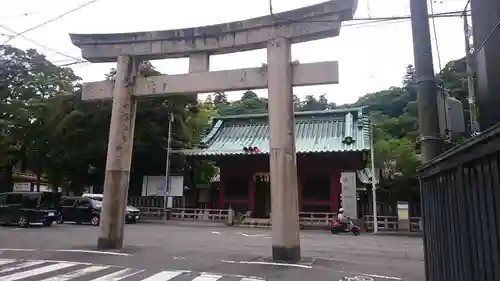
[[461, 211]]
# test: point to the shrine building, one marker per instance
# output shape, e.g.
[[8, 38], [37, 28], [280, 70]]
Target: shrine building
[[330, 144]]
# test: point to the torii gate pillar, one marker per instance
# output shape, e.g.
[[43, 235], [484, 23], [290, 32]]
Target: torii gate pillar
[[119, 155], [283, 164]]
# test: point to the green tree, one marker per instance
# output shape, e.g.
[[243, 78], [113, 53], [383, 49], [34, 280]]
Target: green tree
[[27, 80]]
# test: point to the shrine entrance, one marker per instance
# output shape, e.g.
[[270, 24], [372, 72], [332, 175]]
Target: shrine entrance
[[262, 205], [276, 33]]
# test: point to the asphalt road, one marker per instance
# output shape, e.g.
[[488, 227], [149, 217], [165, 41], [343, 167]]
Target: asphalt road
[[223, 253]]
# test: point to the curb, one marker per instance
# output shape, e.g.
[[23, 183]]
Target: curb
[[399, 234]]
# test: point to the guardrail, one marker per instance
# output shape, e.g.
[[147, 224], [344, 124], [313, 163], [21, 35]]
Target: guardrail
[[391, 224]]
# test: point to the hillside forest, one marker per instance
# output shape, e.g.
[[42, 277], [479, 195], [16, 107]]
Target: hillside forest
[[46, 128]]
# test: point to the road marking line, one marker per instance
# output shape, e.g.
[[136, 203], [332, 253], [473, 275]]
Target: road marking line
[[77, 273], [164, 275], [93, 252], [6, 261], [207, 277], [372, 275], [270, 263], [251, 235], [22, 265], [382, 276], [37, 271], [215, 232], [18, 250], [119, 275], [251, 279]]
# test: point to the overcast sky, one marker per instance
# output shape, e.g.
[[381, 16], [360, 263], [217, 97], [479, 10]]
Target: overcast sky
[[371, 57]]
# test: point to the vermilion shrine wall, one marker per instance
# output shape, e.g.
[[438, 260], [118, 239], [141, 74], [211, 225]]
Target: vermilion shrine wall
[[321, 166]]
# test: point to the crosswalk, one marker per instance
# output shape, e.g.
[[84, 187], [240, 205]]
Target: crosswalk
[[50, 270]]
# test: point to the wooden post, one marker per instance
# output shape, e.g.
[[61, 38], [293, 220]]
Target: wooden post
[[119, 158]]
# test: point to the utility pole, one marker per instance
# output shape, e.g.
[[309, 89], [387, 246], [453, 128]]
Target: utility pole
[[430, 138], [167, 167], [374, 183], [431, 142], [469, 58]]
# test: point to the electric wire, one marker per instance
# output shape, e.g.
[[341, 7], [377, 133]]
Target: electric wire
[[367, 22], [289, 20], [438, 53], [466, 6], [38, 44], [52, 19]]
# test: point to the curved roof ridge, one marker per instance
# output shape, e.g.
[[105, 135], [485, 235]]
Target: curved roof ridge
[[297, 114]]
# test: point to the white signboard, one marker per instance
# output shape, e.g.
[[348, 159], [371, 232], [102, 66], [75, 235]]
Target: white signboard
[[349, 196], [155, 186], [26, 187]]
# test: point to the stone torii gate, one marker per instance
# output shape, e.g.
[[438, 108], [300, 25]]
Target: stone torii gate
[[274, 32]]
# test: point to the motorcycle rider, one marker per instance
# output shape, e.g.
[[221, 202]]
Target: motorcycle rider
[[343, 219]]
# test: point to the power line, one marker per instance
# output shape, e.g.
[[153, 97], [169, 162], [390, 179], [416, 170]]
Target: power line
[[36, 43], [376, 19], [465, 8], [52, 20], [435, 35]]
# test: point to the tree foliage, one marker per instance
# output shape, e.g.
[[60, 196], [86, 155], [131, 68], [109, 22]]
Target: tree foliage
[[46, 128]]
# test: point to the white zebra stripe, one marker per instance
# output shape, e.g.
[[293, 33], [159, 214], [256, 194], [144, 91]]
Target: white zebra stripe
[[21, 266], [207, 277], [6, 261], [119, 275], [164, 276], [50, 270], [77, 273], [37, 271]]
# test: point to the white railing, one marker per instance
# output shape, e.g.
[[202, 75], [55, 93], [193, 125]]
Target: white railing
[[200, 214], [222, 215], [185, 214], [391, 224], [316, 219]]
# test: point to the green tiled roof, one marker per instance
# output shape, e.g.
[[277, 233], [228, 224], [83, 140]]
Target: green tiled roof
[[315, 132]]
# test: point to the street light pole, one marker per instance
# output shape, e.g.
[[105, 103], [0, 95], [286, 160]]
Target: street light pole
[[167, 166], [374, 184]]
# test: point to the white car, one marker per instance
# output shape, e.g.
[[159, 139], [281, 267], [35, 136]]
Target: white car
[[132, 214]]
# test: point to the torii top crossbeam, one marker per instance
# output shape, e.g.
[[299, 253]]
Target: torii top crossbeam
[[300, 25]]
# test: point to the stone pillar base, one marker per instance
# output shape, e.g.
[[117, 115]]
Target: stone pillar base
[[281, 253], [108, 244]]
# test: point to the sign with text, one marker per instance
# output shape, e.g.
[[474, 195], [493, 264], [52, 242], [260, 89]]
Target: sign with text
[[349, 196], [155, 186]]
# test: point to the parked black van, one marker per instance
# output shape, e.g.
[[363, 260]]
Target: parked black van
[[80, 210], [24, 208]]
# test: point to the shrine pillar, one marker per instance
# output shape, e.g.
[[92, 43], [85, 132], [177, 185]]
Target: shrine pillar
[[283, 162]]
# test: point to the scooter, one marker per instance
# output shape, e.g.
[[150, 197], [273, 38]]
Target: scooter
[[338, 227]]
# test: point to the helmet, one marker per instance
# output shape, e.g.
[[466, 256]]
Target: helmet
[[341, 210]]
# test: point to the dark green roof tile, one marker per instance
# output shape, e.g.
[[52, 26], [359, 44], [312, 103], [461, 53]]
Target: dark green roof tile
[[315, 132]]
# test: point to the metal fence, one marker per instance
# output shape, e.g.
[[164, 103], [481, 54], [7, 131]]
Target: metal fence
[[461, 211]]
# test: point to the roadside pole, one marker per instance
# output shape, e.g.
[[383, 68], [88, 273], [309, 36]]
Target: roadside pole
[[431, 142], [430, 138], [167, 167], [469, 58], [374, 184]]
